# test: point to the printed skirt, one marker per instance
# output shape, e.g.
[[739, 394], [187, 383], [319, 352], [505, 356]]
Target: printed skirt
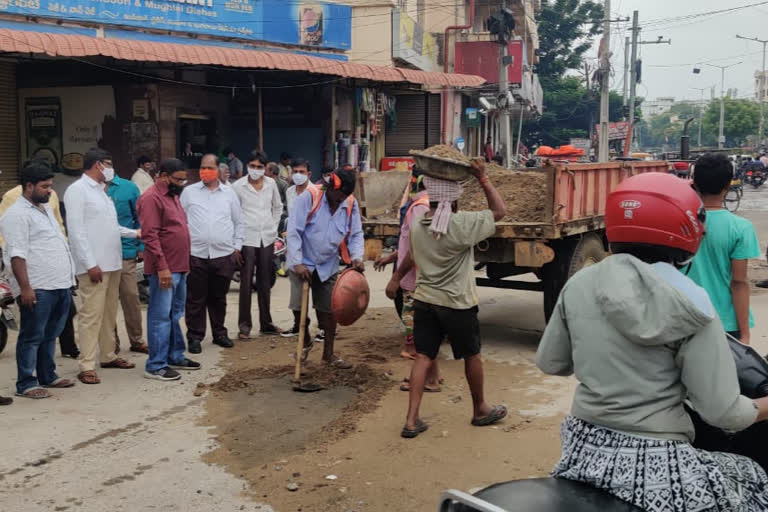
[[659, 475]]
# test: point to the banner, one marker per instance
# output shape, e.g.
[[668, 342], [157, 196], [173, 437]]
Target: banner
[[411, 44], [317, 24]]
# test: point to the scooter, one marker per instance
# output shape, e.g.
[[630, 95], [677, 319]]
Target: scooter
[[561, 495]]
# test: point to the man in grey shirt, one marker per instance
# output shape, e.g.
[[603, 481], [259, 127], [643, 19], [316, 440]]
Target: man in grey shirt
[[42, 275]]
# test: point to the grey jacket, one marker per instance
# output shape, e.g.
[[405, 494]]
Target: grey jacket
[[641, 339]]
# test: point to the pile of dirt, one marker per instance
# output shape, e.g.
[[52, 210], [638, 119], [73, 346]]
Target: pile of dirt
[[445, 151], [524, 194]]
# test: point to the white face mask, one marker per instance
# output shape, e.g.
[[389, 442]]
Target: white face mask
[[255, 174], [299, 179], [108, 173]]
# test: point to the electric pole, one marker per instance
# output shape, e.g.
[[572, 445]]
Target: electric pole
[[626, 72], [605, 73], [701, 102], [504, 127], [760, 92], [632, 81], [721, 134]]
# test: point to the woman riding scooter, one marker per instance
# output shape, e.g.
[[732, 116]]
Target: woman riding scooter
[[642, 339]]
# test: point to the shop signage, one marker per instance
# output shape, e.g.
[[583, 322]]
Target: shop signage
[[616, 131], [307, 23], [411, 43]]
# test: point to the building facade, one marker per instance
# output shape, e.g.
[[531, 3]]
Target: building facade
[[656, 107]]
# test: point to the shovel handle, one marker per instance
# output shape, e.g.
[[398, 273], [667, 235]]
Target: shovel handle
[[302, 329]]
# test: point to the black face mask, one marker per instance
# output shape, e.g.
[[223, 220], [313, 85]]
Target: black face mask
[[174, 189]]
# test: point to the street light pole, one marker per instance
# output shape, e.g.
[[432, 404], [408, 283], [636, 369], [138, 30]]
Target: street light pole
[[605, 67], [701, 90], [721, 135], [761, 91]]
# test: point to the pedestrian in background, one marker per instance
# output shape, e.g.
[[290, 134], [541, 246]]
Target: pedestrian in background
[[95, 240], [721, 265], [285, 166], [37, 252], [124, 195], [224, 173], [216, 234], [142, 177], [261, 211], [167, 256], [273, 171], [235, 165]]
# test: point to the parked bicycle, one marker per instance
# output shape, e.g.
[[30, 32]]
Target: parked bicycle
[[733, 197]]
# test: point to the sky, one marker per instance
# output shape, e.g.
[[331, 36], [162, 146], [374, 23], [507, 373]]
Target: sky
[[668, 69]]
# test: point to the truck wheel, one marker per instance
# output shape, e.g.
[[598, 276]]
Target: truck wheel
[[570, 257]]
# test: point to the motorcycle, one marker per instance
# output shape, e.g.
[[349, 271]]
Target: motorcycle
[[561, 495], [757, 178]]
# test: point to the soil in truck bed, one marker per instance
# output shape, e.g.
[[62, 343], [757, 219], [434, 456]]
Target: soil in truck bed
[[524, 194]]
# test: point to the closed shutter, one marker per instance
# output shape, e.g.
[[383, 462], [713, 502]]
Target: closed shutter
[[433, 123], [9, 127], [409, 132]]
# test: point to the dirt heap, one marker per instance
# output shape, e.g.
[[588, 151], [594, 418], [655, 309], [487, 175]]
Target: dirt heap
[[524, 193], [445, 151]]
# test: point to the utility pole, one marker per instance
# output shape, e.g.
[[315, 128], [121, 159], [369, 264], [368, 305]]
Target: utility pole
[[701, 90], [605, 72], [760, 92], [626, 71], [632, 81], [721, 133], [504, 127]]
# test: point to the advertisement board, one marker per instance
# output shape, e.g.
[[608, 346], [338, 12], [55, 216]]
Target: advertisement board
[[616, 131], [316, 24], [411, 43]]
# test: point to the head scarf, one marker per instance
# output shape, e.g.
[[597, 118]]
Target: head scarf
[[444, 193]]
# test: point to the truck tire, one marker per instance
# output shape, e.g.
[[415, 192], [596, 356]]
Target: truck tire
[[570, 257]]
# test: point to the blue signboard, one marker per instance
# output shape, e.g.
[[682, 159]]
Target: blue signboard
[[307, 23]]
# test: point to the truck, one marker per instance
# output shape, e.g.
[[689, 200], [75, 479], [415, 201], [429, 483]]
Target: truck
[[568, 235]]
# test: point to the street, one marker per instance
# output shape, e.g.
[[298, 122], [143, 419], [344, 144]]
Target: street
[[248, 442]]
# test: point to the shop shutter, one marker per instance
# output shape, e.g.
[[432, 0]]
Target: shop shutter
[[433, 128], [409, 132], [9, 127]]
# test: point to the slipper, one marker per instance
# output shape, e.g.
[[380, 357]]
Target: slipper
[[427, 389], [440, 380], [35, 393], [339, 364], [119, 363], [60, 383], [140, 348], [498, 412], [88, 377], [408, 433]]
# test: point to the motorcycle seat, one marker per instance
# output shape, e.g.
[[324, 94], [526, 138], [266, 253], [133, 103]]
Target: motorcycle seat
[[537, 494]]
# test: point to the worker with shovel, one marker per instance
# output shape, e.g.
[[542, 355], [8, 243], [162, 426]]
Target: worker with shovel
[[322, 223]]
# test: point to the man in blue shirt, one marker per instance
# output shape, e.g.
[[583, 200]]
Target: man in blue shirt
[[125, 193], [319, 223], [720, 266]]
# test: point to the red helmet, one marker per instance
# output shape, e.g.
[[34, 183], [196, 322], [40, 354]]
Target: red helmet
[[655, 209]]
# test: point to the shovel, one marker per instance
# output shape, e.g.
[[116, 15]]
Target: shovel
[[306, 387]]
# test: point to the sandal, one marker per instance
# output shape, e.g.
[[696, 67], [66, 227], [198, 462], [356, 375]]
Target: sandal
[[60, 383], [408, 433], [498, 412], [35, 393], [88, 377], [140, 348], [339, 363], [427, 388], [120, 363]]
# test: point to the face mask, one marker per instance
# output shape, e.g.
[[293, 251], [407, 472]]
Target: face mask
[[174, 189], [327, 179], [300, 179], [209, 175], [108, 173], [255, 173]]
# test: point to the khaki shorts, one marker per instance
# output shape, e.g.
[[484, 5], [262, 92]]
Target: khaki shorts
[[321, 292]]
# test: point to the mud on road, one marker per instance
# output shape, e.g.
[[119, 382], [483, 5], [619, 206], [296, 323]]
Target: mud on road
[[340, 450]]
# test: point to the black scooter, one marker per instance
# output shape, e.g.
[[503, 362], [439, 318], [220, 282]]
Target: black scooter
[[561, 495]]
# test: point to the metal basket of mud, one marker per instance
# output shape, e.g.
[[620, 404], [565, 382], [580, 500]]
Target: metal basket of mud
[[442, 167]]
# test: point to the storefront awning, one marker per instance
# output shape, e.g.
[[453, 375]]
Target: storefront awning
[[74, 46]]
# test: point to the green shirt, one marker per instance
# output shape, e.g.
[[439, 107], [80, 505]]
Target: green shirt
[[445, 274], [729, 237]]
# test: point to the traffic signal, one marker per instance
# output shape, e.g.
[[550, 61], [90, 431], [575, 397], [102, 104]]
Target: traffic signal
[[501, 24]]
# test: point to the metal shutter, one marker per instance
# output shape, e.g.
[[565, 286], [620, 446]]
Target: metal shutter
[[9, 127], [409, 132], [433, 127]]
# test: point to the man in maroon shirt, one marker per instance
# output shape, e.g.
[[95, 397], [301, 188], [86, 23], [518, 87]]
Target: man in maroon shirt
[[166, 261]]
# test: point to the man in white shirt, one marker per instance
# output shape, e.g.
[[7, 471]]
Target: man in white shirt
[[300, 179], [143, 177], [216, 235], [261, 210], [94, 236], [42, 275]]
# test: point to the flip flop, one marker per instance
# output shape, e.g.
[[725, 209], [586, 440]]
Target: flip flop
[[60, 383], [408, 433], [427, 389], [88, 377], [35, 393], [498, 412]]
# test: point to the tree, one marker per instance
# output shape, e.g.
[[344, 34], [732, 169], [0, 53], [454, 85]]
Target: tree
[[566, 29], [742, 118]]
